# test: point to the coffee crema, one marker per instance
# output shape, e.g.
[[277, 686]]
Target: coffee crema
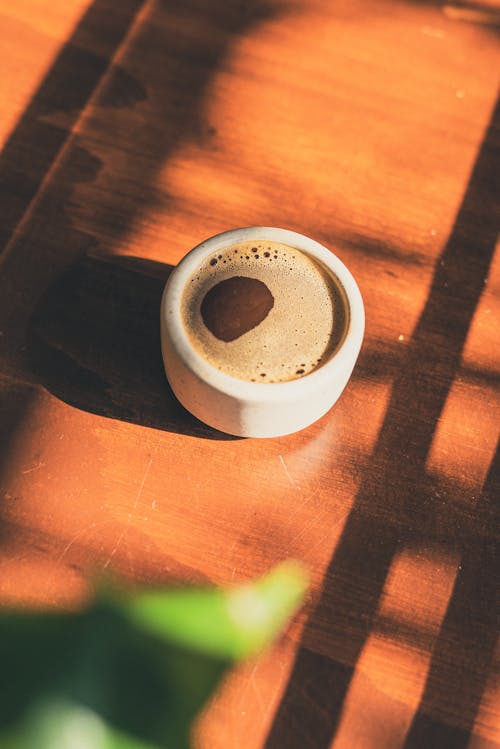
[[264, 312]]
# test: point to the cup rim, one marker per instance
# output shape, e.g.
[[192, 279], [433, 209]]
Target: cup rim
[[244, 389]]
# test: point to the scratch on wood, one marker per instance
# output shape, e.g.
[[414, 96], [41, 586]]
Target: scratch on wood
[[129, 518], [68, 546], [303, 504], [305, 528], [75, 538], [246, 687], [257, 693], [282, 461], [35, 468], [327, 535]]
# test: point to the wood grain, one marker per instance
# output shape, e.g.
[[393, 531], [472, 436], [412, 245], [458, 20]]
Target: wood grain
[[133, 131]]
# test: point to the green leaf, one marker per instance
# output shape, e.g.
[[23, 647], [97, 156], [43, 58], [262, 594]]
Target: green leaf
[[133, 670], [58, 724], [227, 624]]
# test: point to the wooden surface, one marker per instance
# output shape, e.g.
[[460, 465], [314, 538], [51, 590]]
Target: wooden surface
[[131, 131]]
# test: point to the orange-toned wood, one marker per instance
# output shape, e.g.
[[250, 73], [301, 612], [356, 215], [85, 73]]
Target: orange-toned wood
[[133, 130]]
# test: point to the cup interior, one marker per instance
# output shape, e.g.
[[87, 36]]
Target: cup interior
[[344, 352]]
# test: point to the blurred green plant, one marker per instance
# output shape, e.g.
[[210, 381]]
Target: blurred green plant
[[132, 671]]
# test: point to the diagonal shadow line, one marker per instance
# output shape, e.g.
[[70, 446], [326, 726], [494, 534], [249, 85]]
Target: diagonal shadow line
[[392, 495], [471, 621], [34, 144], [174, 70]]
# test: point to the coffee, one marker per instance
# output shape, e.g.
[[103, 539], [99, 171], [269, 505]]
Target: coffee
[[264, 312]]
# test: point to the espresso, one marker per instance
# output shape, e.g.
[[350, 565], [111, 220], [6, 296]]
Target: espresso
[[264, 312]]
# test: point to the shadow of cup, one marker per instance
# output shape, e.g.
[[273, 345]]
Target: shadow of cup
[[94, 342]]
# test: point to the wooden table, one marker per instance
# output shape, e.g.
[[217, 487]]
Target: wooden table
[[131, 131]]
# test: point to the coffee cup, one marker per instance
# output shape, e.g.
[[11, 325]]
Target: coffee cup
[[260, 330]]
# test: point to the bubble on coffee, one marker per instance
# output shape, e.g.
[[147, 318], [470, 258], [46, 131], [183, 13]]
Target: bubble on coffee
[[264, 312]]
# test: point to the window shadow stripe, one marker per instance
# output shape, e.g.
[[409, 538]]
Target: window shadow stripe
[[34, 144], [471, 622], [310, 709]]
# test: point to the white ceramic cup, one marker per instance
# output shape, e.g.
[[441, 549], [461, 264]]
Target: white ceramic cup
[[255, 409]]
